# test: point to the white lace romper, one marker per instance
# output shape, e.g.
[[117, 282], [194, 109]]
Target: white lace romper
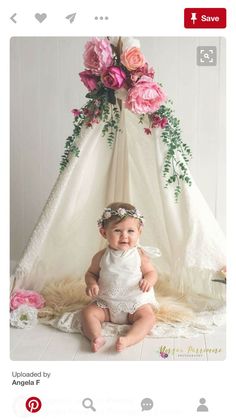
[[119, 284]]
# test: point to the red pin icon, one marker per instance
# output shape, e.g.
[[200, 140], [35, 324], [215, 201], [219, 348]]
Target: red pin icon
[[33, 404]]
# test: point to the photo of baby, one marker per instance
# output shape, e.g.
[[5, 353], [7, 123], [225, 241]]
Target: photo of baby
[[144, 162], [122, 276]]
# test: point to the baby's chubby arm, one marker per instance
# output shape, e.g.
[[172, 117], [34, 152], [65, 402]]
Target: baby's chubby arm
[[149, 273], [92, 275]]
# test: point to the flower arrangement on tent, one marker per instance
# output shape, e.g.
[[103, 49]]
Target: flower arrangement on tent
[[116, 71]]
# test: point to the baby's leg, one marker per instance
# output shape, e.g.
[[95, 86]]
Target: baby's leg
[[92, 318], [142, 322]]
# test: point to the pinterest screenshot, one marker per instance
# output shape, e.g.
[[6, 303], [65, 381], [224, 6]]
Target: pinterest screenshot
[[117, 215]]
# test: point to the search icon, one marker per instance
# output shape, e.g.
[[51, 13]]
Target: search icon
[[88, 404]]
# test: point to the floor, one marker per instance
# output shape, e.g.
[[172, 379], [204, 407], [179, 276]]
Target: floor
[[44, 343]]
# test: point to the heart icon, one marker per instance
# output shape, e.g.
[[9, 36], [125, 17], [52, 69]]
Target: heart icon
[[40, 17]]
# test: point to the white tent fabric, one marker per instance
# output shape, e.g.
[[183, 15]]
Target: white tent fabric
[[66, 237]]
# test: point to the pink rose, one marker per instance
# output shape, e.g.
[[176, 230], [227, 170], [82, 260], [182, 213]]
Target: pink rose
[[113, 77], [164, 122], [132, 58], [30, 298], [86, 111], [145, 97], [92, 121], [142, 71], [89, 79], [157, 121], [76, 112], [97, 55]]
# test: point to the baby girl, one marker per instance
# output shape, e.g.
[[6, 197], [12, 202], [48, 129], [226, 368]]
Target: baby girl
[[120, 280]]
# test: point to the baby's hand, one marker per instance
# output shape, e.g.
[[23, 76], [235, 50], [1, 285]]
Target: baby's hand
[[92, 290], [144, 285]]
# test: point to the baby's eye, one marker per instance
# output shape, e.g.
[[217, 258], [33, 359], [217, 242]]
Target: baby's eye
[[117, 230], [131, 231]]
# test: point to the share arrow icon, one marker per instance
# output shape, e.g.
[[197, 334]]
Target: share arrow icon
[[71, 17]]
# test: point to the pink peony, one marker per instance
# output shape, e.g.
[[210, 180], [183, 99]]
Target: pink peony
[[113, 77], [97, 55], [28, 297], [145, 97], [132, 58], [89, 79]]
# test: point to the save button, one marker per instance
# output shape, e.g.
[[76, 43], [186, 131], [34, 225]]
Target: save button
[[204, 18]]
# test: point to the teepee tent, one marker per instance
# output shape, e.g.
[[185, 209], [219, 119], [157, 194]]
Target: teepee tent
[[65, 237]]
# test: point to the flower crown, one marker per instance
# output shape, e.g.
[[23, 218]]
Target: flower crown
[[121, 213]]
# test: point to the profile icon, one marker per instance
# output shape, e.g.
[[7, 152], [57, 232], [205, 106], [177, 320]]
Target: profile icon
[[202, 407]]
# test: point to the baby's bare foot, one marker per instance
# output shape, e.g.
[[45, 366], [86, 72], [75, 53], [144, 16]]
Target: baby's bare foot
[[121, 343], [97, 343]]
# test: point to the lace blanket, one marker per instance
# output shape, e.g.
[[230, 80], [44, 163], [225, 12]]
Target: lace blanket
[[204, 322]]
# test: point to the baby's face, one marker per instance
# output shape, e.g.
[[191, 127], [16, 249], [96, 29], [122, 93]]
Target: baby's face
[[124, 235]]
